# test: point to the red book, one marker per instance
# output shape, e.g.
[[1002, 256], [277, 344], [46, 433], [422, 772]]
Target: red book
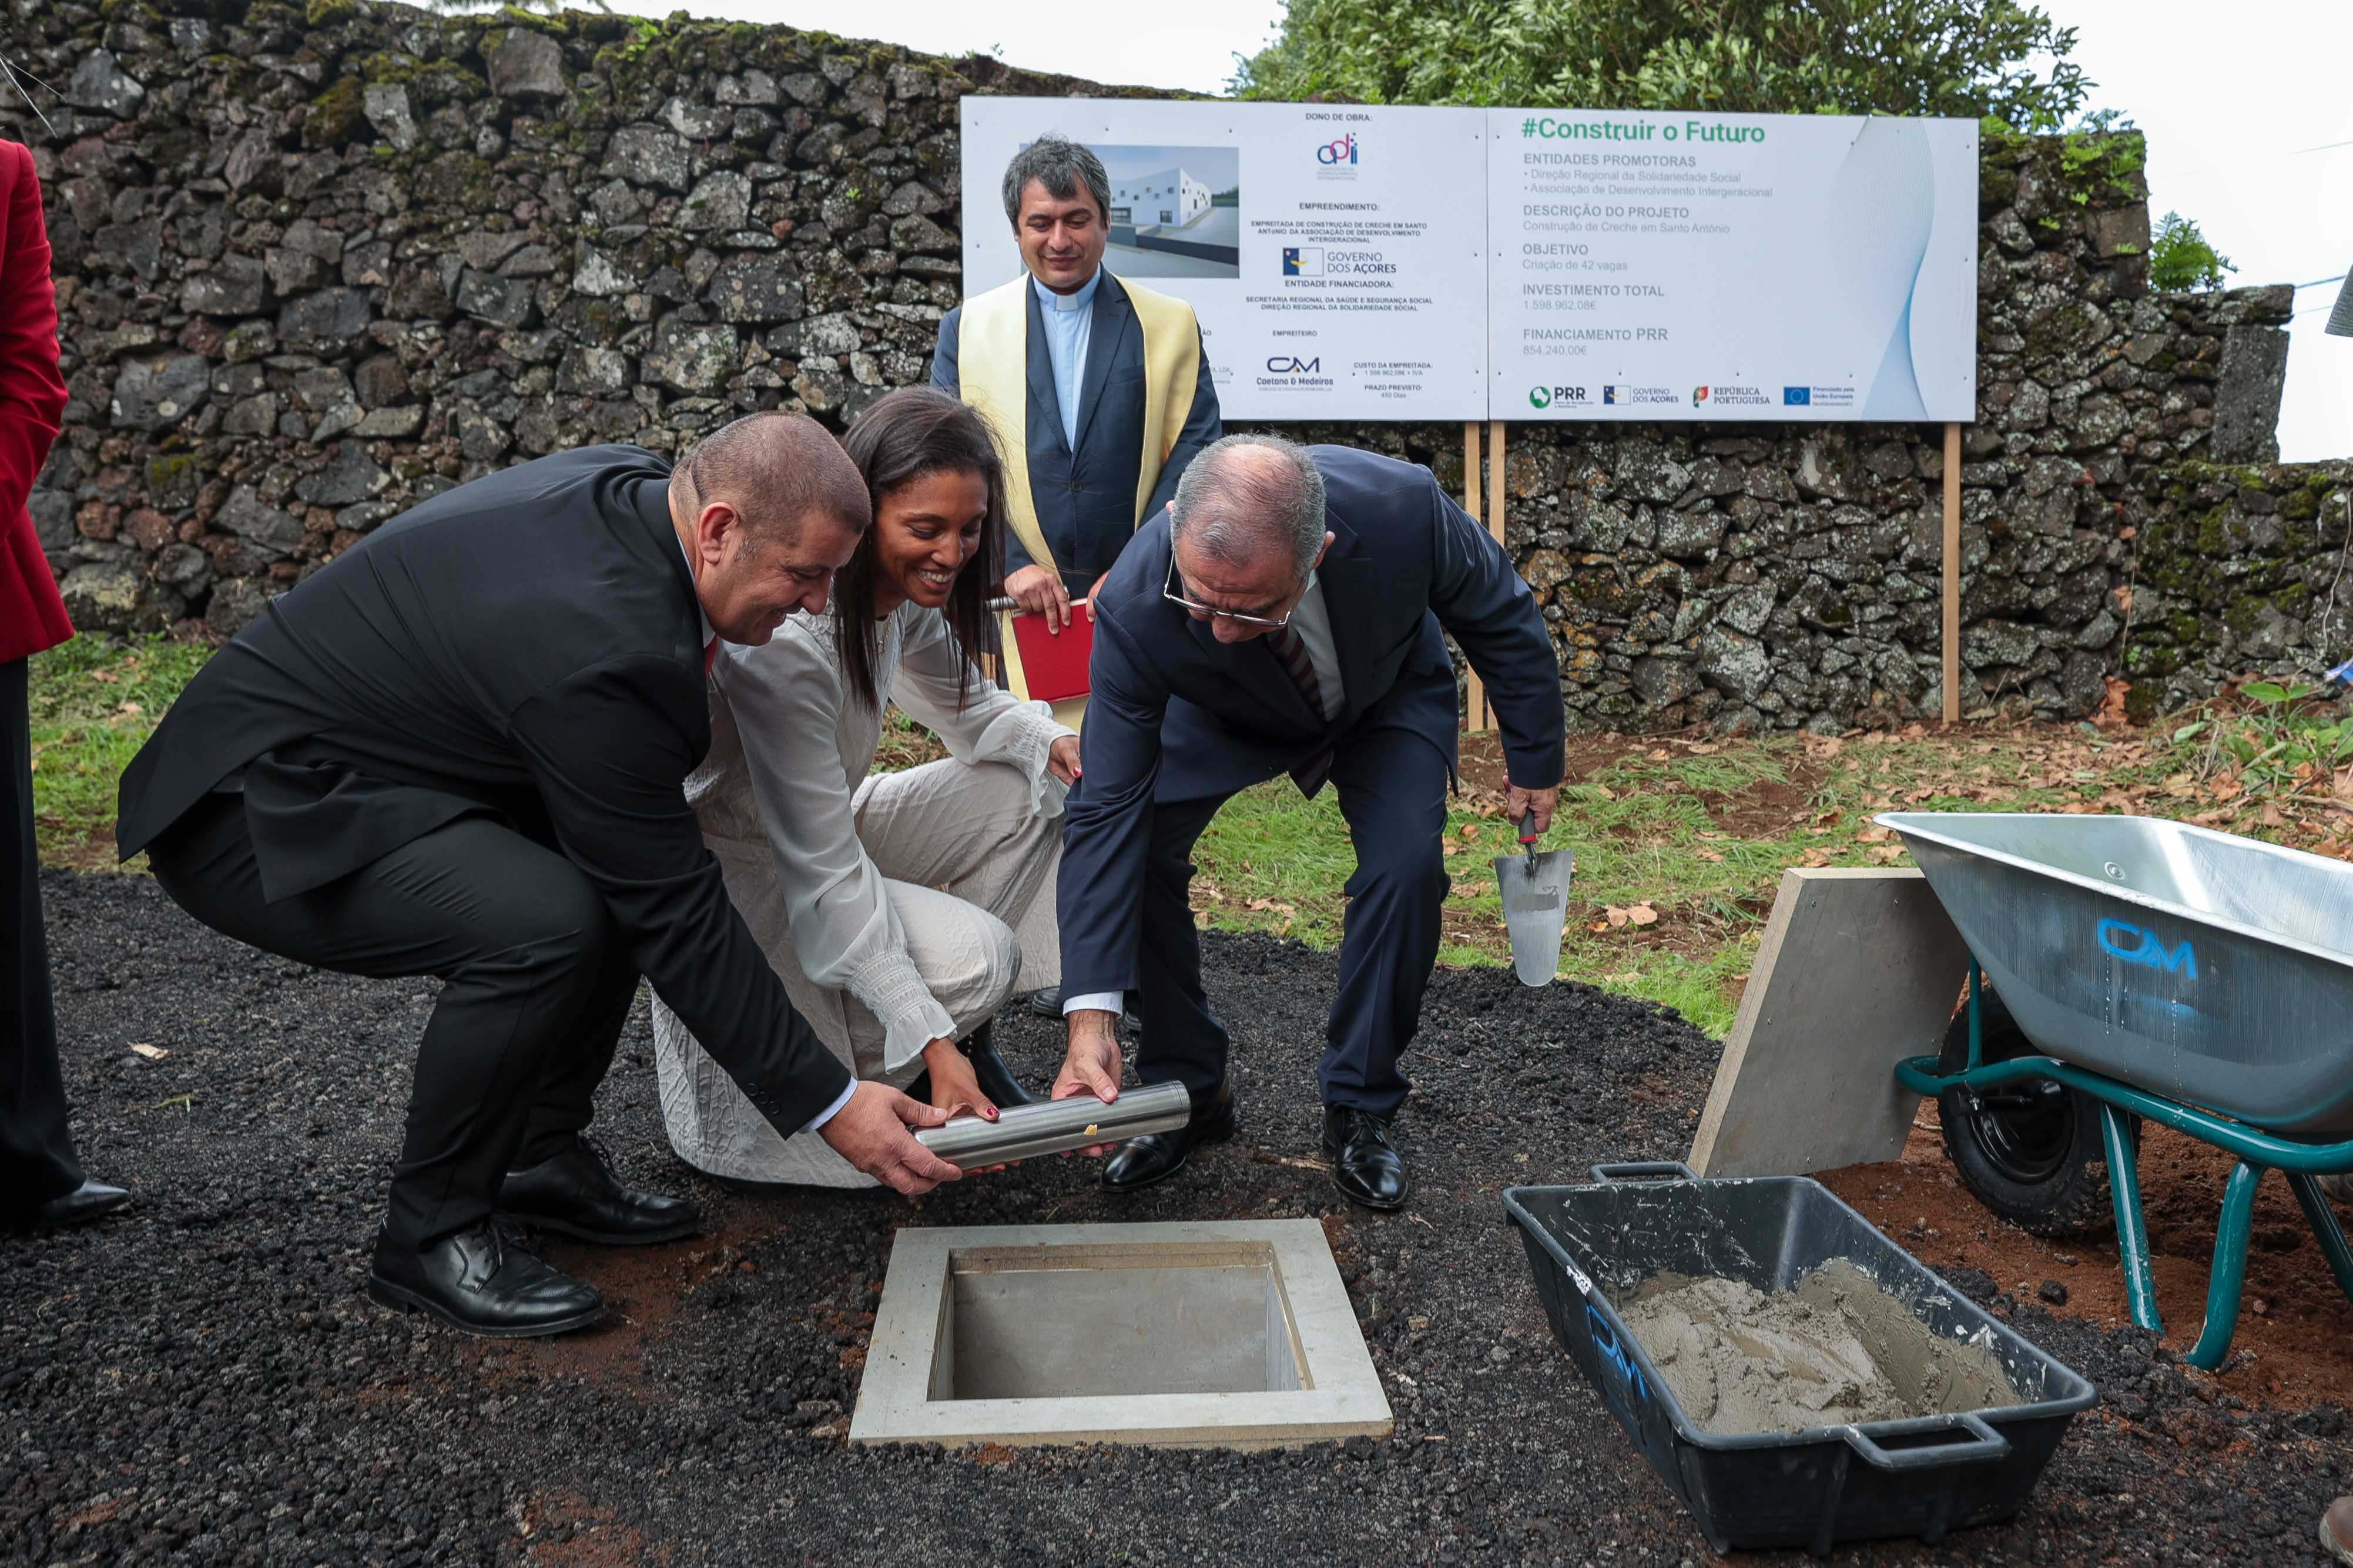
[[1047, 666]]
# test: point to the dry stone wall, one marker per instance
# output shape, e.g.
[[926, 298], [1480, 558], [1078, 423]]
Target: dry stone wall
[[315, 265]]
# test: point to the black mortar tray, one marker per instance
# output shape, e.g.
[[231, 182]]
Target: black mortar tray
[[1589, 1246]]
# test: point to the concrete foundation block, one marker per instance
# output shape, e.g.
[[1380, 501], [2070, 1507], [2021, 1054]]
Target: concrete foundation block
[[1226, 1334]]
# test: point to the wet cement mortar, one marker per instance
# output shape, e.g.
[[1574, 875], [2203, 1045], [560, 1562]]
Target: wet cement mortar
[[203, 1381], [1832, 1349]]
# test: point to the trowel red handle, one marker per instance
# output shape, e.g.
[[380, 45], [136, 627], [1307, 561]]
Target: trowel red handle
[[1528, 834]]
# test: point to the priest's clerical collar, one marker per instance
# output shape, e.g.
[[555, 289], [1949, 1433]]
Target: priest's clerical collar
[[1078, 298]]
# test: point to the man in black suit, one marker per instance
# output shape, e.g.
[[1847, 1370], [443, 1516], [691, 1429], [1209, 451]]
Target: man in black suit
[[458, 750], [1285, 617]]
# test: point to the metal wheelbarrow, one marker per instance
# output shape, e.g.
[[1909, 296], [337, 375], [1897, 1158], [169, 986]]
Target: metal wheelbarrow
[[2152, 970]]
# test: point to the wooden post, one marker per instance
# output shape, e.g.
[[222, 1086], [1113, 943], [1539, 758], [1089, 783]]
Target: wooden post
[[1495, 528], [1952, 574], [1474, 691]]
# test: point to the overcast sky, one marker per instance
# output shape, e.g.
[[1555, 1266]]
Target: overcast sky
[[2230, 96]]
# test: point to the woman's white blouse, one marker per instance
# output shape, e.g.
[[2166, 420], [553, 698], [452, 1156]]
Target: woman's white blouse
[[789, 751]]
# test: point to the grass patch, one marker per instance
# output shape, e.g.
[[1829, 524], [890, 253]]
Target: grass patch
[[1679, 845], [94, 702]]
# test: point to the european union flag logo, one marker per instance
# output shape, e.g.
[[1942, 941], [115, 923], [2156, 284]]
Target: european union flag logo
[[1797, 397]]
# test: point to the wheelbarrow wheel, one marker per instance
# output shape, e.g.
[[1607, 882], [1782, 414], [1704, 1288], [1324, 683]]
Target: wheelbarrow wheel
[[2030, 1150]]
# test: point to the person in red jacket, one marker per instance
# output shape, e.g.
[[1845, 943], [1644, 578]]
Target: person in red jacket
[[41, 1180]]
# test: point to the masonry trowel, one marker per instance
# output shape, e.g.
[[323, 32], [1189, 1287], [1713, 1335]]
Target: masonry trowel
[[1535, 889]]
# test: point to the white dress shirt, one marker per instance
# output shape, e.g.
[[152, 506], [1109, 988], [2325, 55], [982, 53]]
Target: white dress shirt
[[1070, 324], [1311, 621]]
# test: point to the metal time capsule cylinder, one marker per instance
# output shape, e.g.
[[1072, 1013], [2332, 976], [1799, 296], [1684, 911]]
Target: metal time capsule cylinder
[[1053, 1126]]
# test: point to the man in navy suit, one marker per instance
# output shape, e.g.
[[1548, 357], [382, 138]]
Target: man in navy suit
[[1285, 615]]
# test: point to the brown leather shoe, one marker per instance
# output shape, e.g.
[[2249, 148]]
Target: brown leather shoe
[[2337, 1528]]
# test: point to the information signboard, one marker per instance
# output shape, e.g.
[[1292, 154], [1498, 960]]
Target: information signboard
[[1723, 267], [1337, 255]]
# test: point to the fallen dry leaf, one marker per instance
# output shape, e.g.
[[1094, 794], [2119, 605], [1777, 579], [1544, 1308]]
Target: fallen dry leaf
[[1874, 834], [1643, 915], [152, 1053], [2111, 713], [1474, 890], [1706, 749], [1614, 916], [1468, 830]]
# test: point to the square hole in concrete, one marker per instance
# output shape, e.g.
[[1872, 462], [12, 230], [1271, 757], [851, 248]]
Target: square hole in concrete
[[1234, 1334]]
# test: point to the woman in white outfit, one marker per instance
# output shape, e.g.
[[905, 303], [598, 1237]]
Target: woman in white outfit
[[898, 909]]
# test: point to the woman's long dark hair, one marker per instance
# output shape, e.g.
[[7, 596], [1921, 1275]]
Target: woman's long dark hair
[[909, 433]]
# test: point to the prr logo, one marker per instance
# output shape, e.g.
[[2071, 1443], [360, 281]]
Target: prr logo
[[1287, 365], [1545, 397], [1343, 151], [1699, 395], [1540, 396]]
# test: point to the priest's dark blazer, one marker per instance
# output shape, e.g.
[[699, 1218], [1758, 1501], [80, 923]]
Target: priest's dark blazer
[[528, 646]]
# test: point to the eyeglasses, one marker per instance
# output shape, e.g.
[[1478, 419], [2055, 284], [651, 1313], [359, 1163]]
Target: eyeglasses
[[1201, 612]]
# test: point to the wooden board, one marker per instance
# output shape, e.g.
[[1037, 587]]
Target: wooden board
[[1474, 690], [1951, 653], [1860, 968]]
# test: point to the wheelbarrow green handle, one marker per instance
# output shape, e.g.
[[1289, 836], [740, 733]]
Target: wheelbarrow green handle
[[1981, 1444], [1645, 1170]]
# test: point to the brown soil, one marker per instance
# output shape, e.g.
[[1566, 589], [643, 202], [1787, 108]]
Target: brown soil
[[643, 1285], [2293, 1348], [563, 1530]]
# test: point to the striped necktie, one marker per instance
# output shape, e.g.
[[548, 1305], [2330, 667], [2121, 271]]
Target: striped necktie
[[1292, 649]]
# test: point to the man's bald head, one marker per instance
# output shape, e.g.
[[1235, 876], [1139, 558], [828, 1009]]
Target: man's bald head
[[779, 471], [1247, 497], [767, 509]]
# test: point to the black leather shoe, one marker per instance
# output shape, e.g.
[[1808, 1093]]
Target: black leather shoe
[[574, 1193], [476, 1281], [83, 1204], [988, 1069], [1157, 1156], [1366, 1165]]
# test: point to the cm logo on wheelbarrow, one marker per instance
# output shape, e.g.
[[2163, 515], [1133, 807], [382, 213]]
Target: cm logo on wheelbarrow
[[2135, 945]]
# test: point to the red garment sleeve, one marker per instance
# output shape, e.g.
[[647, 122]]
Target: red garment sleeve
[[32, 401], [32, 392]]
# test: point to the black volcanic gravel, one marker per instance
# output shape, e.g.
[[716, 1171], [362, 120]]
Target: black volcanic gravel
[[203, 1381]]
